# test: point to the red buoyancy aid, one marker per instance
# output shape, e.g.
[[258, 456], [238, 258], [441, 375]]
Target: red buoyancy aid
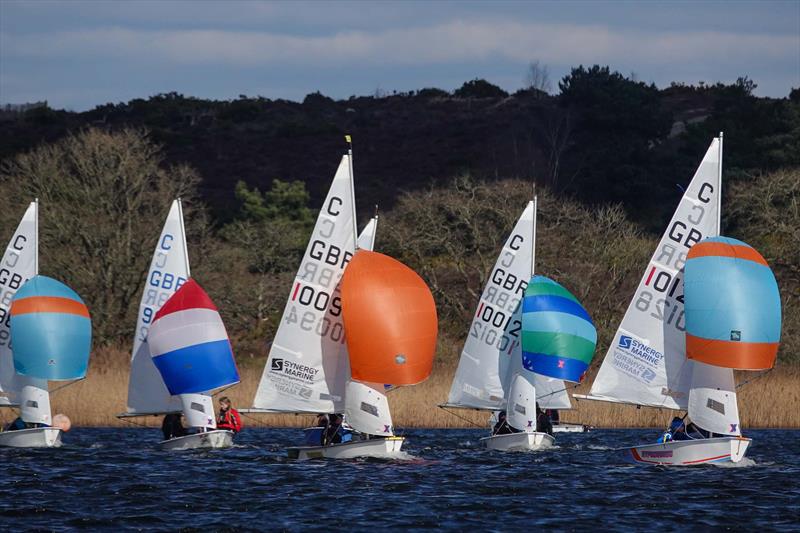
[[230, 419]]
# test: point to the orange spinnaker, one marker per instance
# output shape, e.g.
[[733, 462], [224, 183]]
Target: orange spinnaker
[[389, 320]]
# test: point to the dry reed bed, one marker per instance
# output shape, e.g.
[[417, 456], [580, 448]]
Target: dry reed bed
[[769, 401]]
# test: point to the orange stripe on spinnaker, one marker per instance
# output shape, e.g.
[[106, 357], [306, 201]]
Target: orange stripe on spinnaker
[[721, 249], [732, 354], [48, 304]]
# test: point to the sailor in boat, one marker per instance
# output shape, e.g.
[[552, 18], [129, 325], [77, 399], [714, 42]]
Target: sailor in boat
[[332, 434], [678, 430], [502, 427], [543, 422], [60, 421], [172, 426], [228, 416], [553, 414]]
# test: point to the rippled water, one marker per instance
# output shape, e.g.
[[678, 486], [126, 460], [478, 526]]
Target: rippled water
[[115, 479]]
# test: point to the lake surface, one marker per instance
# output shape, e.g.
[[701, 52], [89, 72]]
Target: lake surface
[[114, 479]]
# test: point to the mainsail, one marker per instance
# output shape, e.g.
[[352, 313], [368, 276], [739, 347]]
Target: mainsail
[[19, 264], [302, 372], [646, 363], [169, 269], [494, 335]]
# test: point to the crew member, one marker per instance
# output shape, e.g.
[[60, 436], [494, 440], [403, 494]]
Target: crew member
[[502, 427], [228, 416]]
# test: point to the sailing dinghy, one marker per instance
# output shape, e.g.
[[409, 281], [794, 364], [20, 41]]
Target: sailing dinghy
[[192, 352], [308, 368], [49, 328], [705, 305], [148, 393], [492, 374]]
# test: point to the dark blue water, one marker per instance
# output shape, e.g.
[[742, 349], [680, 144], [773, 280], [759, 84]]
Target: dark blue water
[[114, 479]]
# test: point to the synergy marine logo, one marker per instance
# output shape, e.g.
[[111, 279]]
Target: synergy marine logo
[[293, 370], [637, 359]]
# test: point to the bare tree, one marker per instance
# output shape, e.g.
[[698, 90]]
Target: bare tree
[[103, 199], [538, 77]]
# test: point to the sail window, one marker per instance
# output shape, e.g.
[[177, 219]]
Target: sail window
[[198, 407], [714, 405], [519, 409], [369, 408], [32, 403]]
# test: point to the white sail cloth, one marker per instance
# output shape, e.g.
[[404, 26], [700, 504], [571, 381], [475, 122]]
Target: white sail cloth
[[17, 267], [521, 413], [169, 269], [367, 409], [303, 371], [494, 335], [198, 410], [34, 401]]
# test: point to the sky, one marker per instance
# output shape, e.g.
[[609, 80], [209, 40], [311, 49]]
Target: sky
[[80, 54]]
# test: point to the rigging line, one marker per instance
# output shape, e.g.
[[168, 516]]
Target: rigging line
[[223, 389], [461, 417], [565, 389], [65, 385], [759, 376], [129, 420]]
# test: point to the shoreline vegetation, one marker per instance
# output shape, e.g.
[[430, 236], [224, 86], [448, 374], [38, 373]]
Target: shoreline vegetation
[[768, 401], [604, 199]]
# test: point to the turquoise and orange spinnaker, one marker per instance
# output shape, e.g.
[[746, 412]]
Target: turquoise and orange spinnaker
[[51, 331], [733, 307], [558, 336]]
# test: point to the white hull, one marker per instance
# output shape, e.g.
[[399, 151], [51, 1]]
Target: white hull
[[690, 452], [218, 438], [565, 427], [381, 447], [31, 438], [519, 442]]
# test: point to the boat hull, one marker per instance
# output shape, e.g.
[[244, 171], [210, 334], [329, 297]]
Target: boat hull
[[566, 427], [382, 447], [211, 439], [519, 442], [32, 438], [690, 452]]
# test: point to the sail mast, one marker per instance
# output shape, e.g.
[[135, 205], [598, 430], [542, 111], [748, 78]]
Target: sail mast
[[375, 231], [183, 238], [719, 187], [533, 240], [352, 187], [36, 239]]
